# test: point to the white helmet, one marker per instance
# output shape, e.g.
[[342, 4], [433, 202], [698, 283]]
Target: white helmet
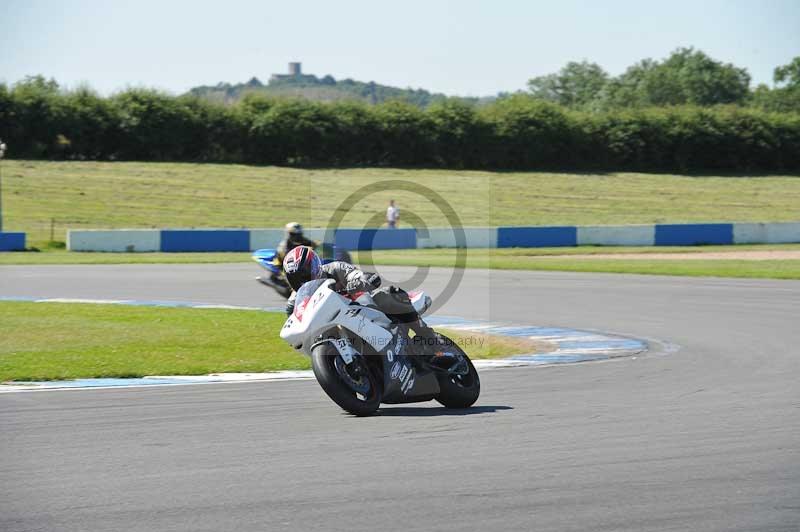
[[294, 228]]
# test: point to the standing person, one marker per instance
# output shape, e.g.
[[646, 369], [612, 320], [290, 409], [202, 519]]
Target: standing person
[[392, 215]]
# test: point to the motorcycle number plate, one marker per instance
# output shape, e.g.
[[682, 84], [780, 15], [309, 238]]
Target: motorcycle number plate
[[345, 348]]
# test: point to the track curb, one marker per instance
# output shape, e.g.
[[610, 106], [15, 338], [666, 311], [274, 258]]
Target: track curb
[[572, 346]]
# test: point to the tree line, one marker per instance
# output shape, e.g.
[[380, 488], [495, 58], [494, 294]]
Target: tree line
[[39, 120], [327, 88], [686, 77]]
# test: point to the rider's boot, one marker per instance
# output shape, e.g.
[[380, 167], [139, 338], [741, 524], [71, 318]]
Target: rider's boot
[[433, 348], [425, 340]]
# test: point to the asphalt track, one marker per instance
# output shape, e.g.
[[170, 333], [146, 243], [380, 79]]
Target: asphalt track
[[703, 433]]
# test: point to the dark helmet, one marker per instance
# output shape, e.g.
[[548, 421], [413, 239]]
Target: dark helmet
[[301, 265]]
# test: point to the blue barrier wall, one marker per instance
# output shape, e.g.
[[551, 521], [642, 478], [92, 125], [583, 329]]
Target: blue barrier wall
[[536, 237], [12, 241], [480, 237], [693, 234], [361, 239], [201, 240]]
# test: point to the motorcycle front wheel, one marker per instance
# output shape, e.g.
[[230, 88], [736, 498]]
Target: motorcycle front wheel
[[354, 388]]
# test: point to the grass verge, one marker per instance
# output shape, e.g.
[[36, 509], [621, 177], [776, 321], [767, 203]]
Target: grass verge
[[50, 341], [76, 257], [541, 259], [478, 258], [41, 197]]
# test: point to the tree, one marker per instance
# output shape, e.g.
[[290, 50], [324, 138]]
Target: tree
[[37, 110], [788, 74], [687, 76], [575, 85], [785, 95]]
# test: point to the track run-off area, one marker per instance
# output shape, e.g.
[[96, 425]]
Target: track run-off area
[[700, 433]]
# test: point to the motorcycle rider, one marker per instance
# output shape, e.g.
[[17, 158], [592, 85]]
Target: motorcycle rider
[[293, 238], [302, 265]]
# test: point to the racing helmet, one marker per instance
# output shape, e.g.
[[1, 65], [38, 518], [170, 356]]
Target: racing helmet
[[301, 265], [294, 229]]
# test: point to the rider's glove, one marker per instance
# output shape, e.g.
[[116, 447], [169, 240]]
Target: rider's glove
[[373, 279], [289, 307]]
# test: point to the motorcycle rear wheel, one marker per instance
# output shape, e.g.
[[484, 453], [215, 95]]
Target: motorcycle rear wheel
[[334, 382], [459, 391]]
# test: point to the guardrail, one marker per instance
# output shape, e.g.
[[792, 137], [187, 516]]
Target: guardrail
[[184, 240], [12, 241]]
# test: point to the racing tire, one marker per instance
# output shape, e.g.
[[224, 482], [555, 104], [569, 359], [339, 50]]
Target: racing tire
[[324, 364], [459, 391]]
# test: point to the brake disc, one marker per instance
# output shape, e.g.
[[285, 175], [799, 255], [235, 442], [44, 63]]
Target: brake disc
[[358, 383]]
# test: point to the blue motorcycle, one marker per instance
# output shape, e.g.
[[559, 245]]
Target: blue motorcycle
[[268, 259]]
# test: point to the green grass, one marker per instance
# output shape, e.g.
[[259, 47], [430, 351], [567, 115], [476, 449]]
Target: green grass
[[407, 257], [537, 259], [138, 195], [480, 257], [79, 257], [43, 341], [514, 258], [773, 269]]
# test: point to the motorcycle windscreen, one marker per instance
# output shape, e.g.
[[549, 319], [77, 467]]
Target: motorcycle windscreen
[[308, 289]]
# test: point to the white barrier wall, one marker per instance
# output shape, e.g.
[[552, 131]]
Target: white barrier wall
[[315, 234], [616, 235], [238, 240], [270, 238], [122, 240], [768, 233], [476, 237], [265, 238]]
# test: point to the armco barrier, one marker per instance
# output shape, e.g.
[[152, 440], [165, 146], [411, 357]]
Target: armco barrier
[[265, 238], [130, 240], [693, 234], [476, 237], [357, 239], [12, 241], [772, 233], [270, 238], [205, 240], [520, 237], [616, 235]]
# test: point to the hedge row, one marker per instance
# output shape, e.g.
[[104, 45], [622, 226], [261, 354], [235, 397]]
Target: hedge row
[[518, 132]]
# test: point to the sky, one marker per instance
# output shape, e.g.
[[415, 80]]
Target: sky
[[465, 47]]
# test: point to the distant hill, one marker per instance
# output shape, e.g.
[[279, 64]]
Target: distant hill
[[325, 89]]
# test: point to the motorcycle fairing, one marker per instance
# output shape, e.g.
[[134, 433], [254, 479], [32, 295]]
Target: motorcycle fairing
[[403, 381], [316, 311]]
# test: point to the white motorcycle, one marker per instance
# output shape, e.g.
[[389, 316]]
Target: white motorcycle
[[361, 358]]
